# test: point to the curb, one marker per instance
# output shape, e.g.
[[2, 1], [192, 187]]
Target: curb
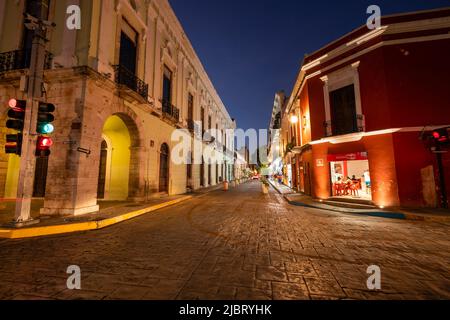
[[379, 214], [84, 226]]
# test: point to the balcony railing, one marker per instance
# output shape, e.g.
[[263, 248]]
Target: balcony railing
[[127, 78], [170, 110], [335, 129], [20, 59]]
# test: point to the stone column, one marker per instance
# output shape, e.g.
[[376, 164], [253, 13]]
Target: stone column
[[321, 171], [383, 174], [136, 184], [72, 178]]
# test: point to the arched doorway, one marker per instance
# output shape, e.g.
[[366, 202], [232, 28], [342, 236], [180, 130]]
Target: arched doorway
[[116, 159], [164, 168]]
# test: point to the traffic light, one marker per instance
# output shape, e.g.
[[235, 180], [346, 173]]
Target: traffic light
[[45, 118], [14, 144], [16, 114], [16, 117], [44, 127], [441, 137], [43, 145]]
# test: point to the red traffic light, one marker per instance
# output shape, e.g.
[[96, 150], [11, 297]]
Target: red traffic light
[[17, 105], [12, 103], [43, 146], [441, 136], [44, 143]]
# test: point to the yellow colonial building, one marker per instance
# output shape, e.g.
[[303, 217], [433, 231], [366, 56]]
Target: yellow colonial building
[[122, 84]]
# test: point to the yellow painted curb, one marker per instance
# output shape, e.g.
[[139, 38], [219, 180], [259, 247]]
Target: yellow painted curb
[[83, 226]]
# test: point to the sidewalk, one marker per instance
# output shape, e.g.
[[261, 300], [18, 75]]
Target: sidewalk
[[110, 213], [418, 214]]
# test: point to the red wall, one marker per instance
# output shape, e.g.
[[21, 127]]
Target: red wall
[[316, 108], [400, 85], [374, 95], [410, 157], [418, 83]]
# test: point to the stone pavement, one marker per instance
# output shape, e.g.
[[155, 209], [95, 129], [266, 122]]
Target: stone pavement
[[239, 244]]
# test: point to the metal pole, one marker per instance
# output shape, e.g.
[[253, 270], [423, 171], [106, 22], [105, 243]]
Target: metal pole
[[442, 187], [28, 160]]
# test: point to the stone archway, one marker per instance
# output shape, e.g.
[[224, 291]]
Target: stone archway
[[119, 167]]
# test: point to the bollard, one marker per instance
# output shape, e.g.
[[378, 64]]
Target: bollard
[[225, 186]]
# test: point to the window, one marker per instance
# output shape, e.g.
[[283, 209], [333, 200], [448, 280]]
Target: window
[[343, 110], [190, 116], [167, 85], [190, 107], [202, 119]]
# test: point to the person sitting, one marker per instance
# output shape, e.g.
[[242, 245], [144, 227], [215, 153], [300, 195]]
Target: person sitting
[[337, 186]]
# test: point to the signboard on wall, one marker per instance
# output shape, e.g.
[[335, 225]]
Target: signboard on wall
[[348, 156], [319, 163]]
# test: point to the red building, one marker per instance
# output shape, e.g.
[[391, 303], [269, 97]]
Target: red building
[[362, 104]]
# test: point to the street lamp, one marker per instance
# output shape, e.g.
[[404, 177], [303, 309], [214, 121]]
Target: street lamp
[[293, 119]]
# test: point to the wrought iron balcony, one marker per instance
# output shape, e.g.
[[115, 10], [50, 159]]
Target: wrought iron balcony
[[21, 59], [170, 110], [335, 128], [127, 78]]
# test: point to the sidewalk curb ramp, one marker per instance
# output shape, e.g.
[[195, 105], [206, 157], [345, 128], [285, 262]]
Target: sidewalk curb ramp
[[400, 215], [374, 213], [84, 226]]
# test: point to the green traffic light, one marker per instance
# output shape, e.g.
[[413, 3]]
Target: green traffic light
[[46, 128]]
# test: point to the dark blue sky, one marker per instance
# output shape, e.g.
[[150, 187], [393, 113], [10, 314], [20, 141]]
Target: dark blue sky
[[253, 48]]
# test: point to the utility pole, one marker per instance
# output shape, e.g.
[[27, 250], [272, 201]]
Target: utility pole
[[442, 187], [34, 93]]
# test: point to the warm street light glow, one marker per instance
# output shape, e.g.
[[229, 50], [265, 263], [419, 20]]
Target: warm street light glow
[[294, 119]]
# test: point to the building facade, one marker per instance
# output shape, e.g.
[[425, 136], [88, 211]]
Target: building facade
[[122, 84], [274, 143], [361, 105]]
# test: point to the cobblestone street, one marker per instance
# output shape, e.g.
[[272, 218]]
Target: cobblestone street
[[236, 245]]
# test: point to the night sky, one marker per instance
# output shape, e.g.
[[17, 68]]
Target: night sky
[[253, 48]]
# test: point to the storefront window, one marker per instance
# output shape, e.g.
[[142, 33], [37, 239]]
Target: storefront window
[[350, 176]]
